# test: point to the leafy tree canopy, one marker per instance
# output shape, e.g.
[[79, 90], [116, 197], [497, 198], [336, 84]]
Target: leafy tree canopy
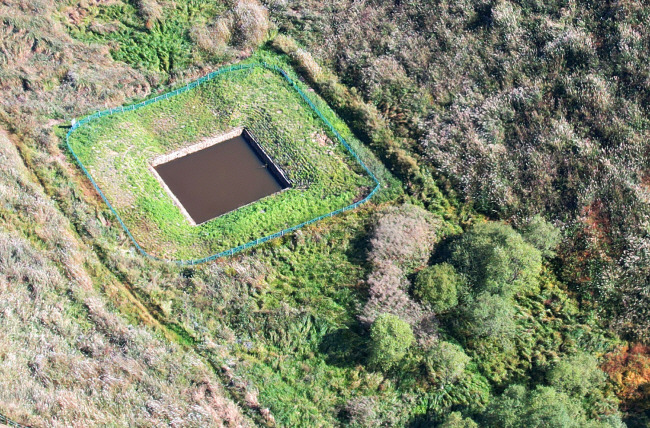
[[456, 420], [542, 407], [390, 339], [445, 362], [495, 258], [542, 235], [490, 316], [577, 375], [438, 285]]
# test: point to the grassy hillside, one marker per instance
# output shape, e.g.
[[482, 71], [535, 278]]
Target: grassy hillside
[[439, 303]]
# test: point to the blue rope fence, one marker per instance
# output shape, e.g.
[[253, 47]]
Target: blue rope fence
[[8, 422], [192, 85]]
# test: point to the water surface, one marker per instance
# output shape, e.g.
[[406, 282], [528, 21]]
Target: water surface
[[219, 179]]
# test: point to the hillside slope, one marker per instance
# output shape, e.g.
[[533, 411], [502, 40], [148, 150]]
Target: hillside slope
[[67, 358], [520, 108]]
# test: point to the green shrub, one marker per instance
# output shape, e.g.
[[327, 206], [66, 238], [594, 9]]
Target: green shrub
[[456, 420], [580, 377], [445, 362], [390, 338], [541, 407], [438, 285], [577, 375], [542, 235], [495, 258], [490, 316]]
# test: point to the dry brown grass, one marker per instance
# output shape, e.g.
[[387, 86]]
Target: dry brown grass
[[401, 242], [213, 38], [251, 22], [246, 26], [150, 10], [67, 359]]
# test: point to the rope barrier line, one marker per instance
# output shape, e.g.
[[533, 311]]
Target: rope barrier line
[[77, 124], [6, 421]]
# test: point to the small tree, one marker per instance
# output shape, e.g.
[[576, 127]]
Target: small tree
[[438, 285], [577, 375], [543, 407], [445, 362], [495, 258], [390, 338], [542, 235], [491, 316], [456, 420]]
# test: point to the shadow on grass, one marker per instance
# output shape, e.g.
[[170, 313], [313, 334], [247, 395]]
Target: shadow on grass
[[357, 251], [344, 348]]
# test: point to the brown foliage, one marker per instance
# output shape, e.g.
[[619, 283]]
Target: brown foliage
[[401, 241], [67, 358], [388, 294], [403, 236], [150, 10], [629, 369], [251, 21], [213, 38], [246, 25]]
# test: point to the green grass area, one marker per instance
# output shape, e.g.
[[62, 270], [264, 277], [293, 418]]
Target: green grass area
[[296, 336], [117, 150], [163, 44]]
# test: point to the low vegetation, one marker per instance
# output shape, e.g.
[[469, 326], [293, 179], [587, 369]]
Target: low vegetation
[[501, 283], [62, 344], [520, 110]]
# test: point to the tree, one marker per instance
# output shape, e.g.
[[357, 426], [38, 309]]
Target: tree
[[438, 285], [445, 362], [456, 420], [580, 377], [577, 375], [543, 407], [390, 338], [490, 316], [542, 235], [496, 259], [628, 368]]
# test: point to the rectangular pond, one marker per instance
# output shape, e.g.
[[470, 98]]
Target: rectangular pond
[[227, 174]]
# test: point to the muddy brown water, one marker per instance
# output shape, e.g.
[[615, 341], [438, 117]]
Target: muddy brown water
[[219, 179]]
